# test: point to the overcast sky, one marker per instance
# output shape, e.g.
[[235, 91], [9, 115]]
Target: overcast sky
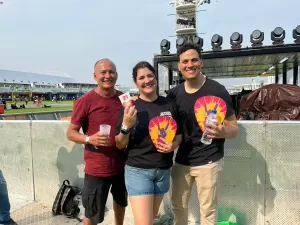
[[68, 36]]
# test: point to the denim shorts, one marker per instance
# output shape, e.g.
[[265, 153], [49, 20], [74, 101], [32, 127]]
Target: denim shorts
[[140, 182]]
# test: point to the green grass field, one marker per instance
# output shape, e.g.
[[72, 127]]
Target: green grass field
[[16, 111], [44, 102], [32, 108]]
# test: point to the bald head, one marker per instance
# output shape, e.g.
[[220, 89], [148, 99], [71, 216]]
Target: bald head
[[105, 73], [105, 60]]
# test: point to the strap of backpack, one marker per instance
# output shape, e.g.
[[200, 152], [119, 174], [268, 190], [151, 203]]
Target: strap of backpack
[[58, 198], [74, 213], [63, 200]]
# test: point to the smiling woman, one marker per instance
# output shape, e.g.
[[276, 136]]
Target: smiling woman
[[150, 157], [145, 80]]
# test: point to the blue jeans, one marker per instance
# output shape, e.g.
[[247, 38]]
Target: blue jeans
[[4, 202], [141, 182]]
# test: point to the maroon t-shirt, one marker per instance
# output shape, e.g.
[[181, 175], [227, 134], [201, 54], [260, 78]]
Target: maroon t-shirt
[[90, 111]]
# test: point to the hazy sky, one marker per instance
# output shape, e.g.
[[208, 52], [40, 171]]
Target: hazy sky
[[70, 35]]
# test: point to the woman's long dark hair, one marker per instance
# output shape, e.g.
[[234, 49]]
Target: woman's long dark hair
[[141, 65]]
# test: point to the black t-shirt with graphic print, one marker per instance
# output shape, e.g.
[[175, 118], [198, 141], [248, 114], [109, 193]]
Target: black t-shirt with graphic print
[[192, 152], [140, 150]]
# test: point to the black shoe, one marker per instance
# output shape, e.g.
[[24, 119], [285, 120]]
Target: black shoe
[[10, 222]]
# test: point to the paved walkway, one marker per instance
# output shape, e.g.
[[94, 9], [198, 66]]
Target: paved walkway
[[33, 213]]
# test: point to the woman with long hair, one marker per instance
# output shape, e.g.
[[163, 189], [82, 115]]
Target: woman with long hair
[[147, 169]]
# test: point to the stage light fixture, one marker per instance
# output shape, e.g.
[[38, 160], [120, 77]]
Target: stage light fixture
[[198, 41], [236, 40], [201, 2], [296, 34], [216, 42], [257, 38], [278, 35], [165, 46], [180, 41]]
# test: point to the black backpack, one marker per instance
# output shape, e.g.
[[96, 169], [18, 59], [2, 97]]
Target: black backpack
[[67, 201]]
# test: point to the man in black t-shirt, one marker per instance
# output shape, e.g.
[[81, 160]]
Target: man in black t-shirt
[[196, 162]]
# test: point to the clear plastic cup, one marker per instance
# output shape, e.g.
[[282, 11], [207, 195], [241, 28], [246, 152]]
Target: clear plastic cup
[[105, 129]]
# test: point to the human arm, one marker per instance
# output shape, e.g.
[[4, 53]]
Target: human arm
[[127, 118], [79, 115], [74, 135], [97, 139]]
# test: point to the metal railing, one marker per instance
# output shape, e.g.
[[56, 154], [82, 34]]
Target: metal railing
[[57, 115]]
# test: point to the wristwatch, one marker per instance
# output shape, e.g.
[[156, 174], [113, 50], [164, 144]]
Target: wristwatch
[[87, 139], [124, 129]]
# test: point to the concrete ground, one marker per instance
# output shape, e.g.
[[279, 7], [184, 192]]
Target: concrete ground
[[34, 213]]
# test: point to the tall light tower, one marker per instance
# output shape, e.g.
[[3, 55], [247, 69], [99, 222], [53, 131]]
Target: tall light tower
[[186, 18]]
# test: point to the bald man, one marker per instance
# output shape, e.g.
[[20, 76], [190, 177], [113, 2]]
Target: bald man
[[104, 164]]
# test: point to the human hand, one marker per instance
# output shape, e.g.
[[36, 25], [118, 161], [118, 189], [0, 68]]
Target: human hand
[[134, 98], [129, 117], [99, 139], [214, 131], [166, 147]]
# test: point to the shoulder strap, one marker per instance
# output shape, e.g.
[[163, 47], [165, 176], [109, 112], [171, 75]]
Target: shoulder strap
[[58, 199]]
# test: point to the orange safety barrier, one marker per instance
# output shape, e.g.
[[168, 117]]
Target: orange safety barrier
[[65, 118], [74, 103], [1, 109]]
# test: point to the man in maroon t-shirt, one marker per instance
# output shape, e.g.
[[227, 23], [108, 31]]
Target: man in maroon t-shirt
[[104, 166]]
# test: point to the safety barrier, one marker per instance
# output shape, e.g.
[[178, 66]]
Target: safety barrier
[[260, 183], [57, 115]]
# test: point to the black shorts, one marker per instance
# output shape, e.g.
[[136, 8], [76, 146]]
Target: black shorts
[[95, 193]]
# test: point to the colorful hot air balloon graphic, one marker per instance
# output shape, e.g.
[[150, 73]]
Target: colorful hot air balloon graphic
[[204, 105], [162, 127]]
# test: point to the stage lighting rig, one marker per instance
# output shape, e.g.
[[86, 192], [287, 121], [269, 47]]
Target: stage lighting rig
[[236, 40], [296, 34], [180, 41], [278, 35], [165, 46], [198, 41], [216, 42], [201, 2], [257, 38]]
